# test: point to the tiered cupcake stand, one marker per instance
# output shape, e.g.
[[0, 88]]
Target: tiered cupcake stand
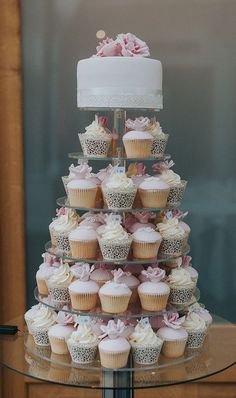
[[19, 353]]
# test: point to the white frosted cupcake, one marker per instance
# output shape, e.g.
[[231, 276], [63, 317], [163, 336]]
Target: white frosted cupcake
[[160, 139], [146, 346], [82, 193], [146, 243], [174, 336], [196, 328], [119, 191], [137, 142], [154, 293], [59, 213], [46, 269], [186, 264], [114, 349], [114, 241], [177, 186], [66, 223], [173, 236], [96, 140], [60, 332], [181, 286], [83, 291], [101, 275], [115, 295], [132, 282], [30, 315], [83, 242], [153, 192], [82, 344], [43, 320], [202, 312], [58, 284]]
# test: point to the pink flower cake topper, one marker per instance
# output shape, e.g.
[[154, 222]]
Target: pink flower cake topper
[[144, 216], [141, 168], [61, 211], [81, 171], [126, 45], [117, 274], [154, 274], [186, 260], [50, 259], [102, 121], [84, 272], [173, 320], [65, 318], [113, 329], [161, 167], [138, 124]]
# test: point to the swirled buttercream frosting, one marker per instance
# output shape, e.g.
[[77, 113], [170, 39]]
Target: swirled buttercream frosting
[[43, 319], [96, 131], [171, 178], [170, 228], [67, 222], [143, 334], [119, 181], [179, 277], [62, 276], [194, 321], [83, 335], [113, 231]]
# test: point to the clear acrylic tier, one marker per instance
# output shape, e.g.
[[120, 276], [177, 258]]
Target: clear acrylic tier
[[116, 159], [53, 250], [133, 312], [218, 353]]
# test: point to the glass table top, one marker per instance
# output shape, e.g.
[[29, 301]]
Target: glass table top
[[117, 158], [218, 353]]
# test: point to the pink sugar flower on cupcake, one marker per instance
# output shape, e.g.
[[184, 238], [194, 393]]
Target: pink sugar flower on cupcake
[[137, 142], [113, 348], [174, 336], [46, 269], [154, 293], [139, 220], [84, 291]]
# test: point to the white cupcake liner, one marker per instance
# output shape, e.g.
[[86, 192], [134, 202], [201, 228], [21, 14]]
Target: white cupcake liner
[[196, 338], [119, 199], [115, 250], [181, 294], [176, 194], [172, 246], [94, 148], [159, 145], [82, 353], [146, 354]]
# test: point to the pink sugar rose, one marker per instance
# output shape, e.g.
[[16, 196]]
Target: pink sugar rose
[[173, 320], [132, 46], [108, 48], [139, 124]]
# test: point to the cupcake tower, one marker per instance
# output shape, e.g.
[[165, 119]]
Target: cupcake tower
[[116, 280]]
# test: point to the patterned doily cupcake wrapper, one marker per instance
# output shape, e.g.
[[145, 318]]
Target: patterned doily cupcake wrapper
[[159, 145], [114, 304], [172, 246], [174, 348], [113, 360], [82, 197], [113, 250], [84, 249], [145, 250], [196, 338], [119, 199], [63, 242], [176, 195], [40, 336], [181, 295], [94, 148], [153, 198], [138, 148], [82, 353], [83, 302], [151, 302], [146, 354], [59, 295]]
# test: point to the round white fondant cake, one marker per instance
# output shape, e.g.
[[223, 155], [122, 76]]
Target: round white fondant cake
[[119, 76]]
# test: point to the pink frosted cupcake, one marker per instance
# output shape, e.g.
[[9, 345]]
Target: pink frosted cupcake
[[177, 186], [196, 328], [160, 139], [153, 192], [64, 224], [83, 291], [101, 275], [115, 295], [174, 336], [181, 286], [76, 172], [137, 142], [46, 269], [132, 282], [146, 346], [139, 220], [113, 348], [60, 332], [83, 242], [173, 236], [58, 284], [146, 243], [82, 193], [154, 294], [96, 140]]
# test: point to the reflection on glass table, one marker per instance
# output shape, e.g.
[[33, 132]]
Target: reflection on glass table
[[217, 354]]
